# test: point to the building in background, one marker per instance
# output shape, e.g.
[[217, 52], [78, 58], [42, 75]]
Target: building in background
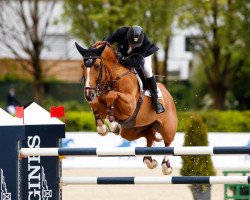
[[61, 53]]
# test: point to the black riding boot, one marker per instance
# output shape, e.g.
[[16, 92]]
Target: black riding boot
[[154, 93]]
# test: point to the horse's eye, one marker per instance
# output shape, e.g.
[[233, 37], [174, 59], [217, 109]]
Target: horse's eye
[[89, 62]]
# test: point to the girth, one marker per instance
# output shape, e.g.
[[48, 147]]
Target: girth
[[130, 122]]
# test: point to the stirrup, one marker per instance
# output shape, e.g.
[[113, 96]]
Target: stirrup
[[159, 108]]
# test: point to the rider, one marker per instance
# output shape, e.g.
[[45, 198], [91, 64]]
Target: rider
[[135, 51]]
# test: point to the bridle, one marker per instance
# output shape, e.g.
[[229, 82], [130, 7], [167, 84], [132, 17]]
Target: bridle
[[105, 86], [98, 81]]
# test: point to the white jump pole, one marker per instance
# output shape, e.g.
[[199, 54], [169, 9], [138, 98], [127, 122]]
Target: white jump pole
[[155, 180], [134, 151]]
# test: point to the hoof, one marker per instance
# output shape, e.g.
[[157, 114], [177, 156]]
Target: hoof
[[102, 130], [117, 130], [114, 127], [151, 163], [166, 170], [166, 167]]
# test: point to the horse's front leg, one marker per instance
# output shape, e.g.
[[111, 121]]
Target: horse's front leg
[[101, 127], [110, 119]]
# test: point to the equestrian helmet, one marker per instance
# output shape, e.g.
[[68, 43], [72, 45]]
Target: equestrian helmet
[[135, 36]]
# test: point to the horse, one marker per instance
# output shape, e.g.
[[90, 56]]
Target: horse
[[113, 92]]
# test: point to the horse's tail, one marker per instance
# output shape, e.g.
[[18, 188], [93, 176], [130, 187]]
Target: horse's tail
[[151, 136]]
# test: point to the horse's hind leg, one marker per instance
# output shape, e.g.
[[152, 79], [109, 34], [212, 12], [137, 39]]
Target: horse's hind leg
[[150, 162], [166, 167], [136, 133], [168, 134], [150, 137], [168, 131]]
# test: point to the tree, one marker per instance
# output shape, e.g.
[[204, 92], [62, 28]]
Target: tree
[[240, 88], [157, 17], [196, 135], [223, 41], [93, 20], [23, 28]]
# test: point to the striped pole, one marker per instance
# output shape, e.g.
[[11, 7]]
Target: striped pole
[[155, 180], [134, 151]]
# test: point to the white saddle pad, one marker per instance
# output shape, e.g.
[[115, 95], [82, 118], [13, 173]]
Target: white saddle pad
[[147, 92]]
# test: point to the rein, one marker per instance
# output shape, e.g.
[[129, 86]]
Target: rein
[[108, 84]]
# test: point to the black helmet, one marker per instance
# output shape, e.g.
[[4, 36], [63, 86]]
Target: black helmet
[[135, 36]]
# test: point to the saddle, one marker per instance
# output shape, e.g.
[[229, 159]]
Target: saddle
[[144, 91]]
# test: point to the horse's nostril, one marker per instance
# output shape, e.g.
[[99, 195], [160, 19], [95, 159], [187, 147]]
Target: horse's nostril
[[89, 94], [90, 97]]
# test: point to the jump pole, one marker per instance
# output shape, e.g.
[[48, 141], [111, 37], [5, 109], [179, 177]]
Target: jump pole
[[46, 171], [136, 151], [64, 181]]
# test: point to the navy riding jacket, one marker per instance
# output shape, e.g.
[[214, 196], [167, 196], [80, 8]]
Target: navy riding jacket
[[11, 100], [136, 57]]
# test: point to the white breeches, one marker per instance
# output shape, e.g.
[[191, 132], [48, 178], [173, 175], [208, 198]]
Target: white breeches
[[148, 67], [11, 110]]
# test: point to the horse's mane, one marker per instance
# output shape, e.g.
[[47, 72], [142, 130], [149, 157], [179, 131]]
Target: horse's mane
[[100, 43]]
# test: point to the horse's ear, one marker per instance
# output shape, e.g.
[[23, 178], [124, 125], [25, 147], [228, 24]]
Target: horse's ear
[[99, 50], [81, 50]]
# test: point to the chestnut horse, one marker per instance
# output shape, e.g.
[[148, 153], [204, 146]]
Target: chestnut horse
[[114, 95]]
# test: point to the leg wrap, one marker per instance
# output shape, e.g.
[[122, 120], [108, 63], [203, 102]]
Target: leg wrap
[[97, 117], [111, 114]]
